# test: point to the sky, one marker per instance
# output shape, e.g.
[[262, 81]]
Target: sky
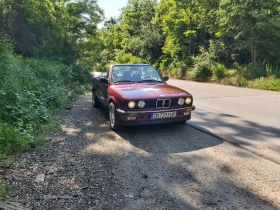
[[111, 7]]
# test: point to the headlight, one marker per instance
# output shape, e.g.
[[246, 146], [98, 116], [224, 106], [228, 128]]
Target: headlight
[[141, 104], [181, 101], [188, 100], [131, 104]]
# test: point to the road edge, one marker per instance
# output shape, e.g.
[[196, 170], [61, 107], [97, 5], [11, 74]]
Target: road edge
[[204, 130]]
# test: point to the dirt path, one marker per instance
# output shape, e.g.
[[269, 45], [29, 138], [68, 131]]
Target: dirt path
[[88, 166]]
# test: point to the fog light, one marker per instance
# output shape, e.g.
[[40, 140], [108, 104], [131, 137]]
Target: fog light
[[131, 118], [141, 104], [180, 101], [186, 113]]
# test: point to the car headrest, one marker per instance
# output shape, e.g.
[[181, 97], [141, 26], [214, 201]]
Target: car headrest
[[126, 75], [136, 77]]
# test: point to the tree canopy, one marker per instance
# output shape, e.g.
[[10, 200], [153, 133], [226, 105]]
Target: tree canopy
[[164, 33], [52, 29], [167, 32]]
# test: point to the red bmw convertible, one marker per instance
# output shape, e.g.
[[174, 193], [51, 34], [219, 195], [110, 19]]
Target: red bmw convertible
[[136, 94]]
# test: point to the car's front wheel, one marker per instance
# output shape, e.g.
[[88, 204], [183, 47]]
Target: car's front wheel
[[114, 119]]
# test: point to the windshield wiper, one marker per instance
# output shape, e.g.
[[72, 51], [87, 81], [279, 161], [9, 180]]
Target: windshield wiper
[[150, 80], [123, 81], [120, 81]]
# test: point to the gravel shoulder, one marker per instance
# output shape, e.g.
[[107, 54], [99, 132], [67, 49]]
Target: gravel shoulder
[[88, 166]]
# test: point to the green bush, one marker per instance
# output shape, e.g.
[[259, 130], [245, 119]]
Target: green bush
[[13, 140], [4, 190], [237, 80], [162, 63], [253, 71], [180, 73], [272, 71], [219, 71], [80, 76], [231, 72], [31, 91], [269, 83], [201, 71], [178, 69], [122, 57], [202, 65]]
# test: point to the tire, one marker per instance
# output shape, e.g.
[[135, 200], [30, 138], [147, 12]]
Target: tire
[[113, 117], [95, 101]]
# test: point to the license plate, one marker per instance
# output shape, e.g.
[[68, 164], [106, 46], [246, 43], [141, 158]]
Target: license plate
[[163, 115]]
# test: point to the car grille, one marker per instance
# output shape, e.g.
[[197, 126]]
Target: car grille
[[162, 103], [150, 104]]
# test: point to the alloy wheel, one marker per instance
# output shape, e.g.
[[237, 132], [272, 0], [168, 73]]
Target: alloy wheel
[[112, 115]]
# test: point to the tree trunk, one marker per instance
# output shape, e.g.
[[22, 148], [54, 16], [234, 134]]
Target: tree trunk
[[254, 53], [190, 43]]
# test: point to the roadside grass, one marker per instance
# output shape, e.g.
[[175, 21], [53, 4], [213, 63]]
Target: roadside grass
[[32, 92], [82, 89], [6, 162], [268, 83], [234, 77], [4, 190]]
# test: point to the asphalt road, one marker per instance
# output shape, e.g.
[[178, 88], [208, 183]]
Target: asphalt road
[[247, 117]]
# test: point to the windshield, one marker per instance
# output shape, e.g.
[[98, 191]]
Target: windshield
[[135, 73]]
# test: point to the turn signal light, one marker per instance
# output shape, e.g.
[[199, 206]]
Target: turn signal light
[[133, 115], [188, 109]]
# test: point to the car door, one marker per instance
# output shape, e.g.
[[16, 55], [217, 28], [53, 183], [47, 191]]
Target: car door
[[103, 92], [103, 83]]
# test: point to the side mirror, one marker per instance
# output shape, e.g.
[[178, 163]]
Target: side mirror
[[103, 80], [165, 78]]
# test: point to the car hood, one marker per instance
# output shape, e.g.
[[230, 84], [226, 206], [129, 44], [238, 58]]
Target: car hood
[[149, 91]]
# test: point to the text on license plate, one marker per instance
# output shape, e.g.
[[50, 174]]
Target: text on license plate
[[163, 115]]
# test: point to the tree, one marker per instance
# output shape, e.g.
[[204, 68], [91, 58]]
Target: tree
[[254, 25], [139, 36], [53, 29]]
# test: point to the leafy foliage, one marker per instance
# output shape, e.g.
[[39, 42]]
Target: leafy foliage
[[201, 71], [269, 83], [219, 71], [251, 25], [253, 71], [237, 80], [30, 92], [49, 29], [122, 57], [13, 140], [3, 190], [202, 65], [169, 32]]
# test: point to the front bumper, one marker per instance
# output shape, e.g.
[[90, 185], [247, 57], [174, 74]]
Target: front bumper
[[144, 117]]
